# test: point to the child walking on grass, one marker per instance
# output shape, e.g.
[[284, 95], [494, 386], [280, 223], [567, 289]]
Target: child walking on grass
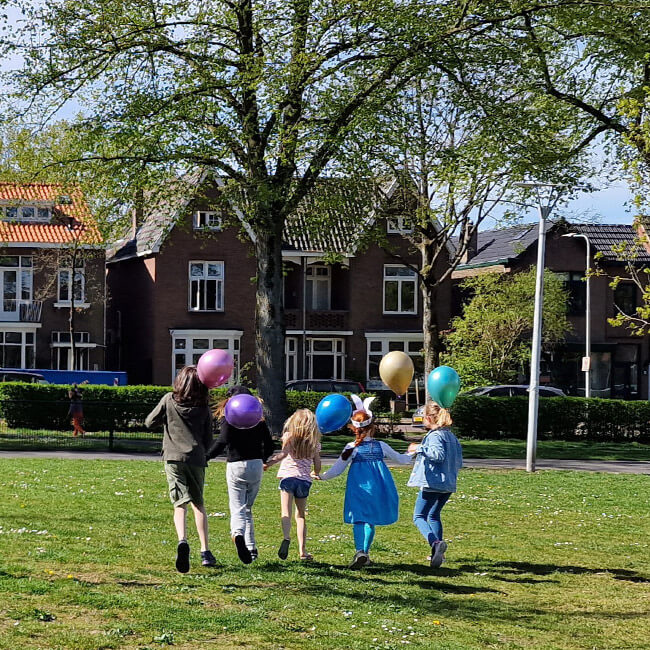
[[438, 459], [247, 451], [185, 417], [300, 450], [370, 495]]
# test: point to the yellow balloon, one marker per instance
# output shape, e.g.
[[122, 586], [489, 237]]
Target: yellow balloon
[[396, 371]]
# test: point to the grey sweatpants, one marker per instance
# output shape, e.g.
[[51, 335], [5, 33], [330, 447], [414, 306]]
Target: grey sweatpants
[[243, 478]]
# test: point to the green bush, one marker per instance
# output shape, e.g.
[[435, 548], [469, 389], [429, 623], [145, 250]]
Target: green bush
[[560, 418]]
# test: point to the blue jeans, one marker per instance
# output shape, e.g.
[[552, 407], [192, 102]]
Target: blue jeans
[[426, 515]]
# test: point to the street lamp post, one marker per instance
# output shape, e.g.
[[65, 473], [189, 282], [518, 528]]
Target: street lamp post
[[536, 351], [586, 364]]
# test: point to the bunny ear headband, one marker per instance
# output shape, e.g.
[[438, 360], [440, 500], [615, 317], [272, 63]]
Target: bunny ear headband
[[362, 407]]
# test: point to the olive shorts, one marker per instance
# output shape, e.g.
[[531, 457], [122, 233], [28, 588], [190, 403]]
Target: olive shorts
[[185, 483]]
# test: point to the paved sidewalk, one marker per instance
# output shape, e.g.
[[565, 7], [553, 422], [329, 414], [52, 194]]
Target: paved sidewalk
[[610, 466]]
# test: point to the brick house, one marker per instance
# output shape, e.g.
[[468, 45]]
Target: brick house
[[42, 228], [619, 360], [183, 282]]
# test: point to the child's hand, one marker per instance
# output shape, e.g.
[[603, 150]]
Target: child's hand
[[315, 476], [265, 467], [413, 448]]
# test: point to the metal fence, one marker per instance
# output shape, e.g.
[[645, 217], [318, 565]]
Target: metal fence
[[109, 426]]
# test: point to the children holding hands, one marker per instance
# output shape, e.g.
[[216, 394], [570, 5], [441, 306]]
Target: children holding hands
[[300, 450]]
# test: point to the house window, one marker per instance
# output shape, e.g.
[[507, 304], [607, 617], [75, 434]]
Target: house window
[[399, 289], [291, 356], [206, 286], [62, 350], [16, 285], [189, 345], [26, 213], [207, 220], [326, 358], [17, 349], [575, 285], [399, 225], [625, 298], [379, 346], [79, 294], [318, 288]]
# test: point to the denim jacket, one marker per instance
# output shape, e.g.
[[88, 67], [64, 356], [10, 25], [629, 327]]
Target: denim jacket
[[438, 460]]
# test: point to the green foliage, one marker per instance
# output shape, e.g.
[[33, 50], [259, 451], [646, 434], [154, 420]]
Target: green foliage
[[490, 342], [560, 418]]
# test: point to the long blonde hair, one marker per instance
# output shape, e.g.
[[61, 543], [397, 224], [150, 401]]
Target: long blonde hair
[[301, 434], [440, 416]]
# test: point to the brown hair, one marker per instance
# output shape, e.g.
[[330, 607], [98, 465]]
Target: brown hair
[[301, 435], [189, 390], [438, 415], [361, 433]]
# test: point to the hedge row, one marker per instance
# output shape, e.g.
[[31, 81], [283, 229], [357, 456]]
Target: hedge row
[[560, 418]]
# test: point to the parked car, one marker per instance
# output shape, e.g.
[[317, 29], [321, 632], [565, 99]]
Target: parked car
[[497, 391], [19, 375], [326, 385]]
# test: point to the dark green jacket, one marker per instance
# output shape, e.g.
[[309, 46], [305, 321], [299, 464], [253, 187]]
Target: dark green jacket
[[187, 430]]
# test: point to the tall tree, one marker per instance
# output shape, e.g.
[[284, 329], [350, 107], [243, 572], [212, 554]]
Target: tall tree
[[264, 93]]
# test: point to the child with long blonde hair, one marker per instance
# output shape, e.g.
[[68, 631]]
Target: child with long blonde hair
[[300, 450], [439, 457]]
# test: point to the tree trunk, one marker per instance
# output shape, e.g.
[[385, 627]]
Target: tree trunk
[[269, 327], [71, 323], [432, 343]]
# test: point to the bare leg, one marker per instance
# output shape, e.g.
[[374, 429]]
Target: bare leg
[[179, 521], [201, 521], [301, 526], [286, 500]]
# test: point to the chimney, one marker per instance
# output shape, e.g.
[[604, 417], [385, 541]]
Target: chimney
[[469, 237], [642, 226], [137, 217]]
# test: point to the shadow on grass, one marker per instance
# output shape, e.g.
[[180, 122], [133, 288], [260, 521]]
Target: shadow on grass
[[520, 568]]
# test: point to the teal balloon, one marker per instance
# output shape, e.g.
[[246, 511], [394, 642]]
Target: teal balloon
[[333, 412], [443, 384]]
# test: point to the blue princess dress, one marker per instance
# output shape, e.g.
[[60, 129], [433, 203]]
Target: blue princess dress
[[370, 493]]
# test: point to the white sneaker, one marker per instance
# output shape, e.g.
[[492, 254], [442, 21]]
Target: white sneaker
[[438, 553]]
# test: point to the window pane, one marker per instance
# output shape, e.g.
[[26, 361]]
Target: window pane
[[390, 296], [319, 345], [12, 214], [26, 260], [375, 346], [79, 286], [322, 295], [27, 213], [26, 284], [210, 294], [13, 337], [196, 270], [408, 296], [391, 271], [396, 345], [214, 270], [373, 366], [64, 281], [43, 214], [309, 294], [29, 356], [201, 344], [179, 361], [414, 346], [9, 260], [195, 358], [220, 344], [29, 338], [12, 356], [179, 344], [405, 272]]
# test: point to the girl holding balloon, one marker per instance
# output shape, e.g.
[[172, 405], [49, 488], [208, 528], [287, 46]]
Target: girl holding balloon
[[370, 495], [245, 435]]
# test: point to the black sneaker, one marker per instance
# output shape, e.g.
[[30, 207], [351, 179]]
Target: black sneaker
[[254, 554], [283, 551], [360, 559], [207, 559], [183, 557], [438, 554], [242, 550]]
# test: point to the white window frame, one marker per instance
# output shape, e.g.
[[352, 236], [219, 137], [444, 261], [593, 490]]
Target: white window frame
[[24, 282], [220, 284], [234, 347], [38, 217], [334, 352], [385, 339], [207, 220], [23, 344], [399, 226], [291, 357], [79, 272], [314, 279], [400, 280], [82, 342]]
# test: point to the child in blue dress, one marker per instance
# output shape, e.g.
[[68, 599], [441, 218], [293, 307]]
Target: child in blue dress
[[438, 458], [370, 494]]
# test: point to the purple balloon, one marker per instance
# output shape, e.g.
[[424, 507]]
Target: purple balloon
[[243, 411], [215, 367]]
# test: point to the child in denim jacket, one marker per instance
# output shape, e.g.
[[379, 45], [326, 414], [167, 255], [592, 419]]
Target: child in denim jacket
[[438, 459]]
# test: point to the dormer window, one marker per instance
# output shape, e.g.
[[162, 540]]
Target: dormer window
[[207, 220], [399, 226], [27, 213]]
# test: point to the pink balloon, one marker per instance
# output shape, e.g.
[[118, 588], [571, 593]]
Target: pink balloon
[[215, 367]]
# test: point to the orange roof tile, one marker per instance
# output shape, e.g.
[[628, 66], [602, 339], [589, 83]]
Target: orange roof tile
[[84, 227]]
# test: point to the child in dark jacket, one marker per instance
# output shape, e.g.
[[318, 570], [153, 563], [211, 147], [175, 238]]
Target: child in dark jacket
[[186, 419], [248, 450]]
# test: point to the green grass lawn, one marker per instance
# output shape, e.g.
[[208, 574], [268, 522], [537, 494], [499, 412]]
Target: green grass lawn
[[549, 560]]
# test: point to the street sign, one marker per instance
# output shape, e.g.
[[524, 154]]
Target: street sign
[[586, 364]]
